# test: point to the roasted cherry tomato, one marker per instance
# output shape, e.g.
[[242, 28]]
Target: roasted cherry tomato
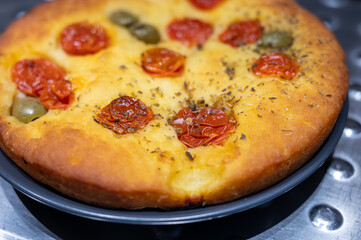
[[31, 75], [205, 4], [191, 32], [43, 78], [124, 115], [56, 95], [208, 126], [162, 62], [83, 38], [242, 33], [275, 65]]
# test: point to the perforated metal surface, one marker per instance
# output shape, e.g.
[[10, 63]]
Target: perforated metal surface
[[326, 206]]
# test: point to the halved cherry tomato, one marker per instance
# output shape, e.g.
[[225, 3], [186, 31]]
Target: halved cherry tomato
[[56, 95], [205, 4], [191, 32], [275, 65], [125, 115], [83, 38], [45, 79], [30, 75], [242, 33], [162, 62], [208, 126]]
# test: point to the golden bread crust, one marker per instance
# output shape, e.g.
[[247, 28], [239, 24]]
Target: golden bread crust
[[280, 124]]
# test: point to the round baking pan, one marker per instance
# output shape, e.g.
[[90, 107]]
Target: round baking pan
[[25, 184]]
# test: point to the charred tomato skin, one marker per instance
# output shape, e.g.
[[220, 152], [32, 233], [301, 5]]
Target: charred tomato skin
[[206, 127], [125, 115]]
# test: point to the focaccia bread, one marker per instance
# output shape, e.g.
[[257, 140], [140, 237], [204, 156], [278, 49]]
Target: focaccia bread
[[218, 99]]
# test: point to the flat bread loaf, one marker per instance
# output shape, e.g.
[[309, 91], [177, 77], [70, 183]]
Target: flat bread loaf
[[206, 107]]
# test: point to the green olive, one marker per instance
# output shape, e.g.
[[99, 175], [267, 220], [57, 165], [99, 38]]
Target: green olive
[[123, 18], [145, 33], [27, 109], [275, 39]]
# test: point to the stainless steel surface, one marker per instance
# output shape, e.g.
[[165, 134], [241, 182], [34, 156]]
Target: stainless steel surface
[[338, 195], [327, 206], [16, 222]]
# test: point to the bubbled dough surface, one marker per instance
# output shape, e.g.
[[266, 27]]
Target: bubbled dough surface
[[284, 122]]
